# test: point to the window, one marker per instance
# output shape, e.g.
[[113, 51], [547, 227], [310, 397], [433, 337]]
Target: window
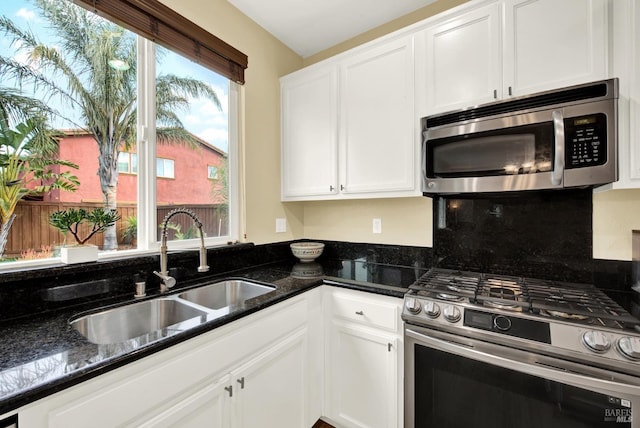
[[127, 163], [164, 168], [212, 172], [140, 80]]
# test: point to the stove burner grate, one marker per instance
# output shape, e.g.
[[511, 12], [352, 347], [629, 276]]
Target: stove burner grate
[[572, 302]]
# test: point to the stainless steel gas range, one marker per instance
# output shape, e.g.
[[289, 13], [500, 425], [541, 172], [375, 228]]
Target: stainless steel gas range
[[485, 350]]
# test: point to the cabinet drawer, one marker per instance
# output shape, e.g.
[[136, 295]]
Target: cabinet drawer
[[376, 311]]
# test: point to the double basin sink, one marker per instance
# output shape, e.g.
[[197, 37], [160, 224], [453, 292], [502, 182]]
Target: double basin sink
[[178, 312]]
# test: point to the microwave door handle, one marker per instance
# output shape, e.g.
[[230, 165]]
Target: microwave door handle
[[424, 155], [558, 162]]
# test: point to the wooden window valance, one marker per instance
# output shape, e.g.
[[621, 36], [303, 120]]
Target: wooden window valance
[[161, 24]]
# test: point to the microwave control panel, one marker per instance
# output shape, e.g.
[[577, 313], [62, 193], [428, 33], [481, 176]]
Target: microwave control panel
[[585, 141]]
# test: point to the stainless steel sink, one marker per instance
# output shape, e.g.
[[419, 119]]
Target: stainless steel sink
[[127, 322], [230, 293], [180, 312]]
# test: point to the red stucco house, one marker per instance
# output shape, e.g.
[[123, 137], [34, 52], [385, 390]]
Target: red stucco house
[[186, 175]]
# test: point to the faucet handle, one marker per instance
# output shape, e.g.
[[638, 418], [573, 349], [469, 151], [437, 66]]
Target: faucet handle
[[167, 281]]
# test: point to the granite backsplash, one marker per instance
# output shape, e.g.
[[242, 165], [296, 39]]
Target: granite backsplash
[[545, 234], [26, 292], [471, 234]]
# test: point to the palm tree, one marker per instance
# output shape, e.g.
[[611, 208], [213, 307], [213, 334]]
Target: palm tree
[[28, 166], [91, 66]]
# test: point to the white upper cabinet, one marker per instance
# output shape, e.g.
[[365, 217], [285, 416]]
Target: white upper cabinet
[[458, 62], [550, 44], [377, 129], [626, 66], [510, 48], [310, 133], [348, 126]]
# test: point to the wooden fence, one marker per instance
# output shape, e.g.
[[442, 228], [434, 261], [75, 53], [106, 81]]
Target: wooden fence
[[31, 229]]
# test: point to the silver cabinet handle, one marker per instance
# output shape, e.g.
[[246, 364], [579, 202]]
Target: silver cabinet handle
[[331, 188], [241, 382], [359, 313], [229, 389], [389, 346], [558, 164], [341, 187], [495, 94], [510, 91]]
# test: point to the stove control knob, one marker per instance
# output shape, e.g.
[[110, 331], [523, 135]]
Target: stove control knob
[[432, 309], [412, 305], [596, 341], [451, 313], [629, 347], [502, 323]]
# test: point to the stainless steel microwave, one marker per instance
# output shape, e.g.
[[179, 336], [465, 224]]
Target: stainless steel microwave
[[549, 140]]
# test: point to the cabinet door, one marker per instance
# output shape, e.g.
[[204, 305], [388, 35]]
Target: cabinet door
[[363, 385], [272, 389], [461, 61], [377, 130], [310, 133], [626, 66], [550, 44], [207, 407]]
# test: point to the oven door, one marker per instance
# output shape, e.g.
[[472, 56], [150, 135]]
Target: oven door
[[458, 382]]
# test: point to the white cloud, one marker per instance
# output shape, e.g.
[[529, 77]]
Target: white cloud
[[26, 14], [205, 120], [22, 58], [216, 136]]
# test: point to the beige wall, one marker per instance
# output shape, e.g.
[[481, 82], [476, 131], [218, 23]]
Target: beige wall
[[615, 214], [405, 221]]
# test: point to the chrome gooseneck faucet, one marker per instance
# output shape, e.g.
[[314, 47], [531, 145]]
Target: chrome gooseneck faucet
[[169, 281]]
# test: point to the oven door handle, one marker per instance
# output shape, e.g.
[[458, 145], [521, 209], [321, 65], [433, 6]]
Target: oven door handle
[[558, 161], [543, 371]]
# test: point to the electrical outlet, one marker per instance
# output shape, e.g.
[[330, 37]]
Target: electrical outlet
[[281, 225], [377, 225]]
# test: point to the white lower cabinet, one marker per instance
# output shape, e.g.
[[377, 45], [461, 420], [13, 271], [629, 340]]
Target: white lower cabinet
[[331, 352], [272, 386], [363, 359], [207, 407], [199, 382], [269, 388]]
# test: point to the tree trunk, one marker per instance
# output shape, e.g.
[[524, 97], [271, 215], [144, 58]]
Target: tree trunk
[[4, 234], [110, 236], [108, 173]]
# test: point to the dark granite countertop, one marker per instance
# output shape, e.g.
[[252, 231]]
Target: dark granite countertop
[[46, 355]]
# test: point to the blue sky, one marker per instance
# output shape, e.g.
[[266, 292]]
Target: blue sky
[[203, 119]]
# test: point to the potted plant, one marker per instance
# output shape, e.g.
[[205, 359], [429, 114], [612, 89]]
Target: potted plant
[[130, 231], [82, 225]]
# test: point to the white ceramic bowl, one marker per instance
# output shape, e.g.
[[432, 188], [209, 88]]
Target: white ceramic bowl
[[307, 251], [307, 270]]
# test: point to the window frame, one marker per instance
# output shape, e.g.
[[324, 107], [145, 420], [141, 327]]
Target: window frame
[[131, 168], [165, 162], [146, 161], [146, 150], [216, 170]]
